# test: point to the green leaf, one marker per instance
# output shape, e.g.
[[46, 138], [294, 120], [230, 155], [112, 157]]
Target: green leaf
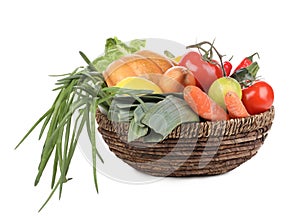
[[136, 131], [46, 123], [136, 128], [137, 44], [169, 54], [54, 169], [34, 126], [246, 76], [164, 116], [139, 113], [80, 91], [115, 49], [93, 140], [152, 136]]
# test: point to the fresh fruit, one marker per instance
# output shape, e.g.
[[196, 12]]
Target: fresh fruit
[[227, 67], [258, 97], [221, 87], [246, 62], [175, 79], [140, 63], [203, 105], [204, 72], [235, 106], [139, 83]]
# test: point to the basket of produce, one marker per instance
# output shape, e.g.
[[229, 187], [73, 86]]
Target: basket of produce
[[197, 123], [164, 115]]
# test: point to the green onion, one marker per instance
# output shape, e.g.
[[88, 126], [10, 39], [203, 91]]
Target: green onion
[[80, 93]]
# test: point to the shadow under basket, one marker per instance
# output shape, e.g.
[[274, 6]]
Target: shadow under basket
[[191, 149]]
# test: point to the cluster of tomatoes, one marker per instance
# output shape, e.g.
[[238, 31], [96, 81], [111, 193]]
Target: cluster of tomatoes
[[257, 95]]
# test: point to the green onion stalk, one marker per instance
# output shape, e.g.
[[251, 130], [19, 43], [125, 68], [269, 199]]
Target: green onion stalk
[[80, 93]]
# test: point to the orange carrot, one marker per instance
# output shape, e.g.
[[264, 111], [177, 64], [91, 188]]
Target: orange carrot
[[202, 104], [235, 106]]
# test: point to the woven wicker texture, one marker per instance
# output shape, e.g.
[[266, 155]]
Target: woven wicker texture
[[203, 148]]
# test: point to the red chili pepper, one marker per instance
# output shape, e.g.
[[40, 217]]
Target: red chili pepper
[[246, 62], [227, 67]]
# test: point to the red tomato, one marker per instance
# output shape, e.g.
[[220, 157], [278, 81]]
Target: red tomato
[[258, 97], [204, 72]]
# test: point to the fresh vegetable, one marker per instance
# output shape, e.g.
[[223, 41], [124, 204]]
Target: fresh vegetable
[[175, 79], [258, 97], [139, 83], [127, 84], [115, 49], [221, 87], [151, 116], [166, 115], [122, 106], [246, 62], [203, 105], [137, 128], [227, 68], [246, 76], [78, 98], [204, 72], [138, 64], [235, 106], [81, 92]]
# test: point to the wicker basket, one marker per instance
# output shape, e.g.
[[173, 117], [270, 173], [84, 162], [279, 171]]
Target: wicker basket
[[191, 149]]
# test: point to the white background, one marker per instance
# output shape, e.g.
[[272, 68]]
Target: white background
[[39, 38]]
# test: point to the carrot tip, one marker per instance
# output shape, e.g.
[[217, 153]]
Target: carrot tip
[[235, 106]]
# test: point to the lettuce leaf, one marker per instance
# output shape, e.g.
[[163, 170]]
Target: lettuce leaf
[[115, 49]]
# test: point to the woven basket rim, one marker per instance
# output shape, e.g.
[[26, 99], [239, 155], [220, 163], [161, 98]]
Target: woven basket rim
[[208, 148], [201, 129]]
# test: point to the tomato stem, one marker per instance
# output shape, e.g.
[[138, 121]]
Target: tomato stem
[[212, 47]]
